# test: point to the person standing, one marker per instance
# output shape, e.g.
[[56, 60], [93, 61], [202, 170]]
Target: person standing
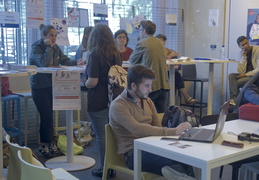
[[149, 52], [83, 46], [179, 84], [46, 53], [248, 66], [122, 40], [103, 53]]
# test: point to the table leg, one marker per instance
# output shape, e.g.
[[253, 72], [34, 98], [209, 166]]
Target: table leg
[[210, 94], [137, 163], [205, 174], [70, 162], [172, 85]]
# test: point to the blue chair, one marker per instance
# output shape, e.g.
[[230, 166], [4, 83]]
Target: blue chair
[[12, 131]]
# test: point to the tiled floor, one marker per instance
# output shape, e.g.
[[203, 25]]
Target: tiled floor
[[91, 151]]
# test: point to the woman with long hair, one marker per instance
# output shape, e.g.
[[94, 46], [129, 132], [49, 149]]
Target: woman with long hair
[[83, 46], [102, 54]]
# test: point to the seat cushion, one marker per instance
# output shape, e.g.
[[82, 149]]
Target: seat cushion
[[249, 111]]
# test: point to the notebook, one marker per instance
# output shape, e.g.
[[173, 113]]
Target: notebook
[[208, 135]]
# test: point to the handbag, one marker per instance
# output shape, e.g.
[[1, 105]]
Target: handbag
[[62, 145]]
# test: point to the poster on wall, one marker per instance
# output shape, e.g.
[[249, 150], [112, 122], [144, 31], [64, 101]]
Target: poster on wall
[[100, 10], [171, 19], [252, 32], [34, 13], [66, 90], [77, 17], [213, 17], [9, 19], [60, 24]]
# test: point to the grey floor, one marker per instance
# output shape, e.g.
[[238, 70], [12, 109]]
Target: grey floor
[[91, 151]]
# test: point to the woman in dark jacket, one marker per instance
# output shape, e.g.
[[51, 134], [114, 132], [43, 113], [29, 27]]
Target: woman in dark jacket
[[46, 53]]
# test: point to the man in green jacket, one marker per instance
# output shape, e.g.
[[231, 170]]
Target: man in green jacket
[[150, 52]]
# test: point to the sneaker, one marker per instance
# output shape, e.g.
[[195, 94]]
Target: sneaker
[[232, 102], [44, 152], [54, 150], [171, 174]]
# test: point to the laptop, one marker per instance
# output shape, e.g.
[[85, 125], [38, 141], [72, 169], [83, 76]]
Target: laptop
[[207, 135]]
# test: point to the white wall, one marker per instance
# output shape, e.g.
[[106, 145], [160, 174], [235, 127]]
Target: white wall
[[198, 38]]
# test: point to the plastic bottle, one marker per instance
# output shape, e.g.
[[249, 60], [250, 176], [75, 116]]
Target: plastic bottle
[[222, 53]]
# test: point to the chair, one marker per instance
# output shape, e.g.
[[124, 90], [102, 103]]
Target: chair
[[14, 167], [21, 86], [189, 74], [249, 170], [32, 172], [114, 161], [12, 131]]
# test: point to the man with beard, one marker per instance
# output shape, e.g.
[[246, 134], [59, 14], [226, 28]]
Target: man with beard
[[133, 115], [248, 66]]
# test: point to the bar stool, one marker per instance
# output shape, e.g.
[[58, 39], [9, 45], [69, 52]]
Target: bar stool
[[76, 125], [12, 131], [189, 74]]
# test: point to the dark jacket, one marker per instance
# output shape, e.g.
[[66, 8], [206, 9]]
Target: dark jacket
[[42, 56]]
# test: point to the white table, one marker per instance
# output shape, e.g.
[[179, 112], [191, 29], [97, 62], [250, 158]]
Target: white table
[[205, 156], [69, 162], [7, 74]]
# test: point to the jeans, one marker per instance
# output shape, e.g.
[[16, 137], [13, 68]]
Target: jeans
[[43, 101], [236, 83], [160, 99], [99, 119], [153, 163]]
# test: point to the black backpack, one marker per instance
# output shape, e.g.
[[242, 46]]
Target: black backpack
[[175, 115]]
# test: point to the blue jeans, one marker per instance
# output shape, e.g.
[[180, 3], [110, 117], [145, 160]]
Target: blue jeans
[[236, 83], [99, 119], [153, 163]]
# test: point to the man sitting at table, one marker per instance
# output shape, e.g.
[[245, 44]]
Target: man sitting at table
[[248, 66], [133, 115]]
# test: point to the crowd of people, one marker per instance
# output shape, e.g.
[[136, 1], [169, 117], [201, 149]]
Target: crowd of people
[[133, 114]]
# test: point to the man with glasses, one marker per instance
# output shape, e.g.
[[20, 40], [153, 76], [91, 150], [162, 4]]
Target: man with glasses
[[150, 52]]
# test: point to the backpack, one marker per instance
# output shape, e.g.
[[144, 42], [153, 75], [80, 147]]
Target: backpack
[[117, 81], [175, 115]]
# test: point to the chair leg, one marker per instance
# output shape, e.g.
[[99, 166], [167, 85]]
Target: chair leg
[[201, 99], [221, 171]]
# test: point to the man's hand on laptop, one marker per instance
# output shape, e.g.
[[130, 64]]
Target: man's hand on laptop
[[183, 127]]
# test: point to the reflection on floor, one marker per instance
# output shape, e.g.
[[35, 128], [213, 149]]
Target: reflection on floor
[[91, 151]]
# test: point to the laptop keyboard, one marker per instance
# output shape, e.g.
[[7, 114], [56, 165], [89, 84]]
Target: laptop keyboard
[[204, 134]]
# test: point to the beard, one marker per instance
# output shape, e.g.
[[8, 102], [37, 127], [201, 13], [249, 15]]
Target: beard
[[141, 95]]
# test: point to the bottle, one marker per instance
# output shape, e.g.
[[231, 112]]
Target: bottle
[[222, 53]]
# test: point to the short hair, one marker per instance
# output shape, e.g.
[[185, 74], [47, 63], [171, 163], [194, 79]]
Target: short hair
[[240, 39], [45, 29], [149, 26], [137, 73], [161, 36], [122, 31]]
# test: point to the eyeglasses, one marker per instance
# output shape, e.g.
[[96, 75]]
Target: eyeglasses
[[121, 37]]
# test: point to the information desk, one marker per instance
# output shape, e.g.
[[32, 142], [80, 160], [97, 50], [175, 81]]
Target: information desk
[[69, 162], [5, 73], [205, 156]]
